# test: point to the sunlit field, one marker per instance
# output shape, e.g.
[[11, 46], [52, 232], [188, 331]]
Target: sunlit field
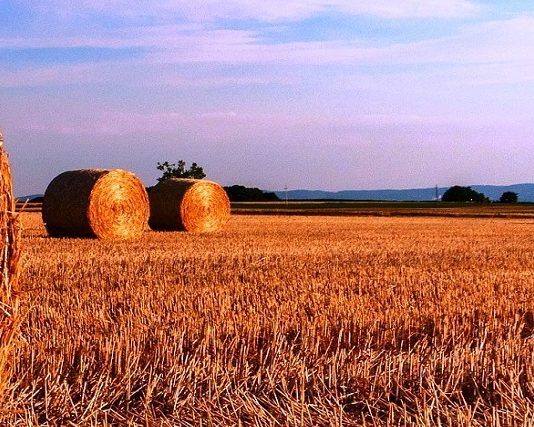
[[281, 320]]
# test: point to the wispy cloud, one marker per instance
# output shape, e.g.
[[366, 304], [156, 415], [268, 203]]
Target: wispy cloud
[[490, 42], [50, 75], [493, 52], [280, 10], [498, 41], [223, 124], [261, 10]]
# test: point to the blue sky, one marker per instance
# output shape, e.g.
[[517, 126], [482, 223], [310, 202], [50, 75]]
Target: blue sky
[[339, 94]]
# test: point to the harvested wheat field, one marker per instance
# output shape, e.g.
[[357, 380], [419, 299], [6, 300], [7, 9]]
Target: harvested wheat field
[[274, 321]]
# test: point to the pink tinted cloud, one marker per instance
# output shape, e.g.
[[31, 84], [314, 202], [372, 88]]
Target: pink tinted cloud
[[211, 125], [53, 74]]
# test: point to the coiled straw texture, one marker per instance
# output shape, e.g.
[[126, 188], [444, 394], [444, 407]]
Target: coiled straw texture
[[9, 272], [188, 205], [106, 204]]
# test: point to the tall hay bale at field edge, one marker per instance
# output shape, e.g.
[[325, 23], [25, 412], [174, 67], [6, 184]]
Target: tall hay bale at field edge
[[9, 271], [107, 204], [188, 205]]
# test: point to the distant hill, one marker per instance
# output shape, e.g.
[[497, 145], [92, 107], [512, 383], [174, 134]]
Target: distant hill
[[525, 191], [31, 198]]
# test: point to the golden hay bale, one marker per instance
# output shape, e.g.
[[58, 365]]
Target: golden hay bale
[[9, 271], [107, 204], [188, 204]]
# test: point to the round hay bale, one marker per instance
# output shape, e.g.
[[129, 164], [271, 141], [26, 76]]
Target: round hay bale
[[188, 204], [107, 204], [10, 251]]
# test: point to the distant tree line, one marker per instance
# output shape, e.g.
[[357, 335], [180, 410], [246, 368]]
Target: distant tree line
[[458, 193], [239, 193], [463, 194], [509, 197]]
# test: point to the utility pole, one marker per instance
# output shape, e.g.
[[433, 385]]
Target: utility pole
[[285, 188]]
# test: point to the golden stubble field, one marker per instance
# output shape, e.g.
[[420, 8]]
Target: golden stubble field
[[281, 321]]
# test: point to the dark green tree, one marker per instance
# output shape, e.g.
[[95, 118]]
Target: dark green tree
[[509, 197], [458, 193], [172, 170], [240, 193]]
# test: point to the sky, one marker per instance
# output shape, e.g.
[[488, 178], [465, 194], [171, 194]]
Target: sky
[[303, 94]]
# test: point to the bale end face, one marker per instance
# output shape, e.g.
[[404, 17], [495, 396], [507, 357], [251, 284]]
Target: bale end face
[[118, 208]]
